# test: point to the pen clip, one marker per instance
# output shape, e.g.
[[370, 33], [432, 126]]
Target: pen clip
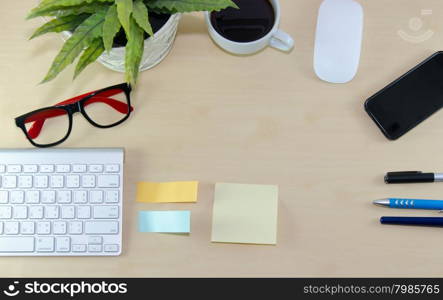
[[404, 173]]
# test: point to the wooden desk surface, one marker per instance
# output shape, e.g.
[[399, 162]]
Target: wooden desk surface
[[205, 115]]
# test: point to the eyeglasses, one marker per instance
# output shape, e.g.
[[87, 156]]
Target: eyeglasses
[[103, 108]]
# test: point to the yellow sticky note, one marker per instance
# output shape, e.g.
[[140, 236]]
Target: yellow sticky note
[[245, 213], [164, 192]]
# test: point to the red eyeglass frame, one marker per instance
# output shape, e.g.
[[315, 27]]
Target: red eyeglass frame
[[72, 106]]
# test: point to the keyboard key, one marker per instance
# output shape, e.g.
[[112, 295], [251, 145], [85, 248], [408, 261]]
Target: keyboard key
[[11, 227], [95, 248], [17, 197], [27, 228], [51, 212], [79, 248], [105, 212], [41, 181], [20, 212], [79, 168], [25, 182], [83, 212], [46, 168], [108, 181], [5, 212], [80, 196], [111, 196], [73, 181], [14, 168], [68, 212], [62, 168], [101, 227], [32, 197], [43, 227], [111, 248], [59, 227], [45, 244], [48, 197], [88, 181], [30, 168], [4, 197], [95, 240], [56, 181], [9, 182], [36, 212], [16, 244], [95, 197], [112, 168], [96, 168], [63, 244], [63, 196], [75, 227]]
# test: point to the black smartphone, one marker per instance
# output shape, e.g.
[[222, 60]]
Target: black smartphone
[[410, 99]]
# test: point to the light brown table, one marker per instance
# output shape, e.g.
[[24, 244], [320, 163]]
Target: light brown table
[[205, 115]]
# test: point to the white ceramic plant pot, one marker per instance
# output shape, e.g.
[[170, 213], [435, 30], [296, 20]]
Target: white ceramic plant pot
[[155, 49]]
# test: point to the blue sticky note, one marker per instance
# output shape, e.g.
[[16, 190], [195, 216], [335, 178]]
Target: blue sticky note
[[174, 221]]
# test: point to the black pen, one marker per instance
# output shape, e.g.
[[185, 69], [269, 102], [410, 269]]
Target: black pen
[[412, 177], [419, 221]]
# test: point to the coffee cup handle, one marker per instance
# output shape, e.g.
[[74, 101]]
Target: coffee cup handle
[[281, 41]]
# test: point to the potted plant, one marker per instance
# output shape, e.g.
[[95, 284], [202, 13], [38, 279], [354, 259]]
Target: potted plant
[[125, 35]]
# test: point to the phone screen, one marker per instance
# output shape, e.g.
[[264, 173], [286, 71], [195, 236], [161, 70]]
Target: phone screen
[[409, 100]]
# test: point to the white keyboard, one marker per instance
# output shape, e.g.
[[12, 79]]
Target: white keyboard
[[61, 202]]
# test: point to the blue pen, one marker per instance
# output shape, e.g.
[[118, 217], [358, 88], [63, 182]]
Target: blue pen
[[410, 203], [417, 221]]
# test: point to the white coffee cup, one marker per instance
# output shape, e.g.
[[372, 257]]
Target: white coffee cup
[[275, 38]]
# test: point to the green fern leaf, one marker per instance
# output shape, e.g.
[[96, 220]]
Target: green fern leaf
[[175, 6], [141, 16], [90, 29], [68, 23], [134, 52], [90, 55], [111, 27], [76, 10], [50, 6], [124, 11]]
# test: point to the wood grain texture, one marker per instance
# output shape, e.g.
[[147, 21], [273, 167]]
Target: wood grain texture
[[203, 114]]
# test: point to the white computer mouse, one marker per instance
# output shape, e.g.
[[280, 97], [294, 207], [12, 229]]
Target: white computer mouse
[[338, 40]]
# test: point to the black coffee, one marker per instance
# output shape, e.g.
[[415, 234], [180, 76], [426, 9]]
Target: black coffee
[[251, 22]]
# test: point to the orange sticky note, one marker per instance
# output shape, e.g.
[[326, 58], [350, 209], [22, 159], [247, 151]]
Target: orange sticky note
[[167, 192]]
